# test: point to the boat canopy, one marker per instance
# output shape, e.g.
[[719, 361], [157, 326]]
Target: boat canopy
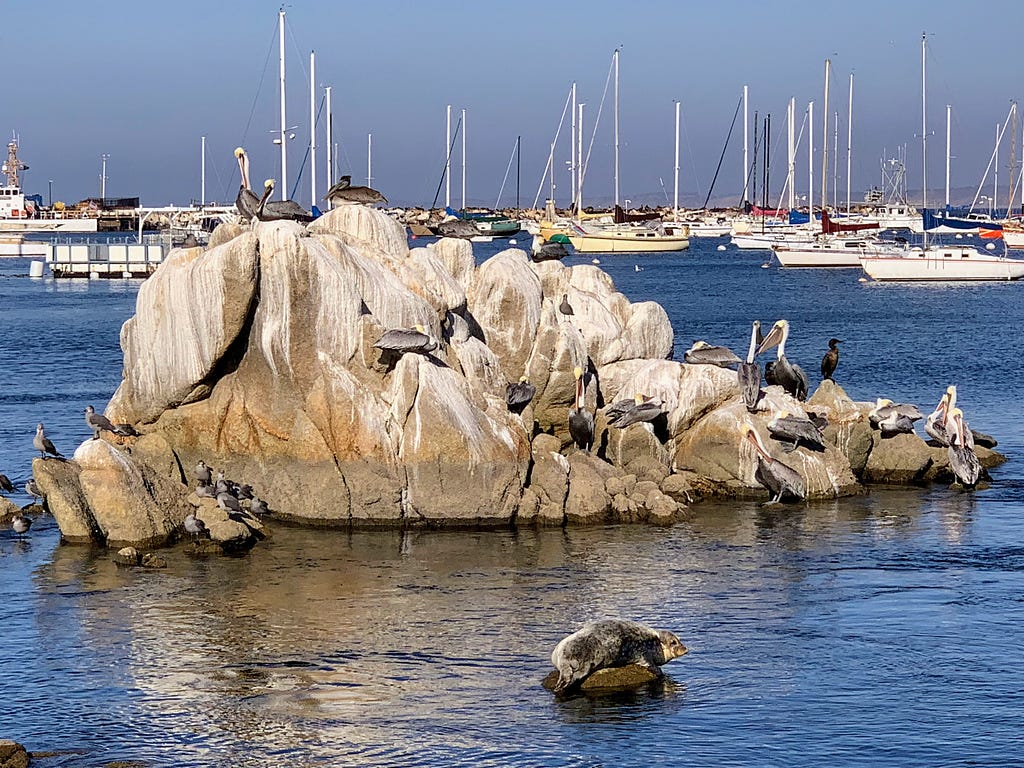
[[621, 217], [830, 227], [932, 221]]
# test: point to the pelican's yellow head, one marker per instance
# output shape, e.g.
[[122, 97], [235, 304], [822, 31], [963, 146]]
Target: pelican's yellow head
[[239, 151], [268, 184], [577, 372]]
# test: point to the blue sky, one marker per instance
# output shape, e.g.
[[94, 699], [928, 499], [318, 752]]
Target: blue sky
[[142, 82]]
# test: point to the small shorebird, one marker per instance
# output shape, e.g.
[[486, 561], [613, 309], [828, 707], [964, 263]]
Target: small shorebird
[[20, 523]]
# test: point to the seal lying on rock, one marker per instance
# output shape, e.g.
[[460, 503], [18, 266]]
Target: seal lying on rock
[[612, 643]]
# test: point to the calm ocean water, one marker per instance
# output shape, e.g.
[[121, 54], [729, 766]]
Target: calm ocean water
[[876, 631]]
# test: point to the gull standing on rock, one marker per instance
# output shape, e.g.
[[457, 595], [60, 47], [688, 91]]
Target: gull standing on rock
[[97, 422], [194, 526], [43, 445], [203, 473], [32, 489]]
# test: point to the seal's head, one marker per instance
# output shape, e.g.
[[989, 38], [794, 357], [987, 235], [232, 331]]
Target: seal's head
[[671, 648]]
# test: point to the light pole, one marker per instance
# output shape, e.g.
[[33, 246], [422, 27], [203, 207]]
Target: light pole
[[50, 185], [103, 176]]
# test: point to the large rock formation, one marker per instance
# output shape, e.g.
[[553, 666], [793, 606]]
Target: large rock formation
[[257, 356]]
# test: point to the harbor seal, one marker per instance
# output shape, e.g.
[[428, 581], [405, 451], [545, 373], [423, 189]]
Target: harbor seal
[[612, 643]]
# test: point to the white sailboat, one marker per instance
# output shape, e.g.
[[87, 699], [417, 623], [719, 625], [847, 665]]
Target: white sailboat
[[933, 262]]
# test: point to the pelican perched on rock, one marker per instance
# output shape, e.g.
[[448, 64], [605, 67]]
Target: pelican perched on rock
[[639, 409], [831, 359], [519, 395], [793, 429], [962, 459], [247, 201], [702, 353], [343, 193], [402, 340], [781, 480], [749, 372], [937, 424], [279, 210], [581, 421], [893, 418], [789, 376]]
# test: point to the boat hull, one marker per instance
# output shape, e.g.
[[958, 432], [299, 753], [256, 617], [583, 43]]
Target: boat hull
[[813, 255], [43, 226], [628, 243], [942, 265]]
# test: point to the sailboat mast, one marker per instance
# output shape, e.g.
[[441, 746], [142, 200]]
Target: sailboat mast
[[616, 55], [330, 138], [835, 159], [791, 156], [849, 145], [948, 120], [572, 150], [519, 158], [463, 159], [810, 159], [202, 174], [995, 177], [312, 128], [824, 140], [284, 124], [1013, 159], [579, 157], [924, 138], [746, 144], [369, 159], [448, 159], [675, 195]]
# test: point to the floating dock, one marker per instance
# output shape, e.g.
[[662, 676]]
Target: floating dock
[[104, 260]]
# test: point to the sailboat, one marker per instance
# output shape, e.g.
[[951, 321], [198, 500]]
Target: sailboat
[[937, 262], [637, 237]]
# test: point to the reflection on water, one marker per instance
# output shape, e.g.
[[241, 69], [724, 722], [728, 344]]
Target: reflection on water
[[824, 625], [875, 630]]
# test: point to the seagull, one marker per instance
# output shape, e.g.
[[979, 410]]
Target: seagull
[[206, 491], [195, 526], [565, 307], [203, 473], [258, 506], [43, 445], [20, 523], [5, 484], [32, 489], [97, 422]]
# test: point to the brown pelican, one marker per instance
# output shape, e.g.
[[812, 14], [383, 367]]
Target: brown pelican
[[702, 353], [962, 459], [893, 418], [937, 423], [831, 359], [42, 444], [639, 409], [343, 193], [789, 376], [792, 429], [749, 372], [402, 340], [279, 210], [519, 395], [780, 479], [97, 422], [581, 421], [5, 484], [247, 201]]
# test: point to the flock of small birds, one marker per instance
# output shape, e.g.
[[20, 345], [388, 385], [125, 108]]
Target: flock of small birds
[[239, 501]]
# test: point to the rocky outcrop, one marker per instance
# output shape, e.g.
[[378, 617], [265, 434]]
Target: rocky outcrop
[[257, 356]]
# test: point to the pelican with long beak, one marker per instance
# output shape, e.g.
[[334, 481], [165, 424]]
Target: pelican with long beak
[[962, 459], [937, 423], [893, 418], [748, 374], [247, 201], [789, 376], [280, 210], [781, 480], [640, 409], [581, 421]]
